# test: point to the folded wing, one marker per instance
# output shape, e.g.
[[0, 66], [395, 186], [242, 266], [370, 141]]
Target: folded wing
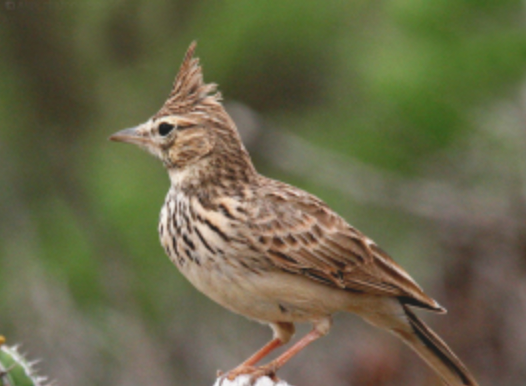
[[302, 235]]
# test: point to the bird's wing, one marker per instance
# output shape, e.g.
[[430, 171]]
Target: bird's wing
[[302, 235]]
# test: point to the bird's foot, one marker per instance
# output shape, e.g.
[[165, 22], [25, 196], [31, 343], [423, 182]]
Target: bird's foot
[[255, 373]]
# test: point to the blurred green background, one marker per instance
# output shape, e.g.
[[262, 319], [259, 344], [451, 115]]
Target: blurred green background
[[408, 117]]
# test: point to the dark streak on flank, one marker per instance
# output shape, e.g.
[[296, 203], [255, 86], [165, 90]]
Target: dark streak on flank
[[225, 211], [217, 230], [203, 241], [174, 219], [188, 242], [189, 254], [187, 222]]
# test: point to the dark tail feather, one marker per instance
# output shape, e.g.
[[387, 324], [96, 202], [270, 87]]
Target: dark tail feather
[[435, 352]]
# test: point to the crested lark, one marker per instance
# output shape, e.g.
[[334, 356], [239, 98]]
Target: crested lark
[[268, 250]]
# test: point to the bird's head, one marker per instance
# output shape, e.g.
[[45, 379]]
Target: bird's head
[[191, 126]]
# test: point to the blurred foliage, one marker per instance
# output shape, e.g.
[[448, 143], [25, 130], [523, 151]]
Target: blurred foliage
[[16, 370], [418, 90]]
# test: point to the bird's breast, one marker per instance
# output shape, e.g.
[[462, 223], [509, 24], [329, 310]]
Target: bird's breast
[[206, 247]]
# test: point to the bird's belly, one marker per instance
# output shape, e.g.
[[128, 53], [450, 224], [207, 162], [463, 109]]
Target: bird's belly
[[233, 290], [269, 296]]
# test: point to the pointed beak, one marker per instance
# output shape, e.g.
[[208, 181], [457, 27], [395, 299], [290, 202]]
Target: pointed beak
[[132, 135]]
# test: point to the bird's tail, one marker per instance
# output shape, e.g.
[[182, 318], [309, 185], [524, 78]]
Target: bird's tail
[[434, 351]]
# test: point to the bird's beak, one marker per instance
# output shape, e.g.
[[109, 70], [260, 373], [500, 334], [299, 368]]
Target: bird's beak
[[132, 135]]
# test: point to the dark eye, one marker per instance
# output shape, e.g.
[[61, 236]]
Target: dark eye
[[165, 128]]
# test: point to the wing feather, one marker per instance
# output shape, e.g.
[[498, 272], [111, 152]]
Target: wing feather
[[308, 238]]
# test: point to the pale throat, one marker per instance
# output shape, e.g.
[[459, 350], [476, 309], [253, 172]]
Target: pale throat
[[187, 176]]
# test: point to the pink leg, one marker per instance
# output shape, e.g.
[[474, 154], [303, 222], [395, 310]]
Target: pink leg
[[321, 328], [283, 331], [291, 352], [248, 366], [262, 353]]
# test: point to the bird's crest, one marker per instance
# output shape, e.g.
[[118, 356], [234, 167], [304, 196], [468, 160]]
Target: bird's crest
[[189, 92]]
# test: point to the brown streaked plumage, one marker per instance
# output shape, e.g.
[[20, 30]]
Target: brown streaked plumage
[[268, 250]]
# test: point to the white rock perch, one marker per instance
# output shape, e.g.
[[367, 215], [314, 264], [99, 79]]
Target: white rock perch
[[244, 380]]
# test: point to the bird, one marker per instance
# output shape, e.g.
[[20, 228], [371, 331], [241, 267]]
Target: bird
[[268, 250]]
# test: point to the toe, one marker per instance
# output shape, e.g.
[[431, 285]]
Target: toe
[[233, 374]]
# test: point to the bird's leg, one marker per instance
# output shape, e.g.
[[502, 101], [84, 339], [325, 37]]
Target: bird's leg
[[248, 366], [271, 368], [321, 328], [282, 334], [262, 353]]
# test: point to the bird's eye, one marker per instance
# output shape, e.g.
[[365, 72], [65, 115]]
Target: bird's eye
[[165, 128]]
